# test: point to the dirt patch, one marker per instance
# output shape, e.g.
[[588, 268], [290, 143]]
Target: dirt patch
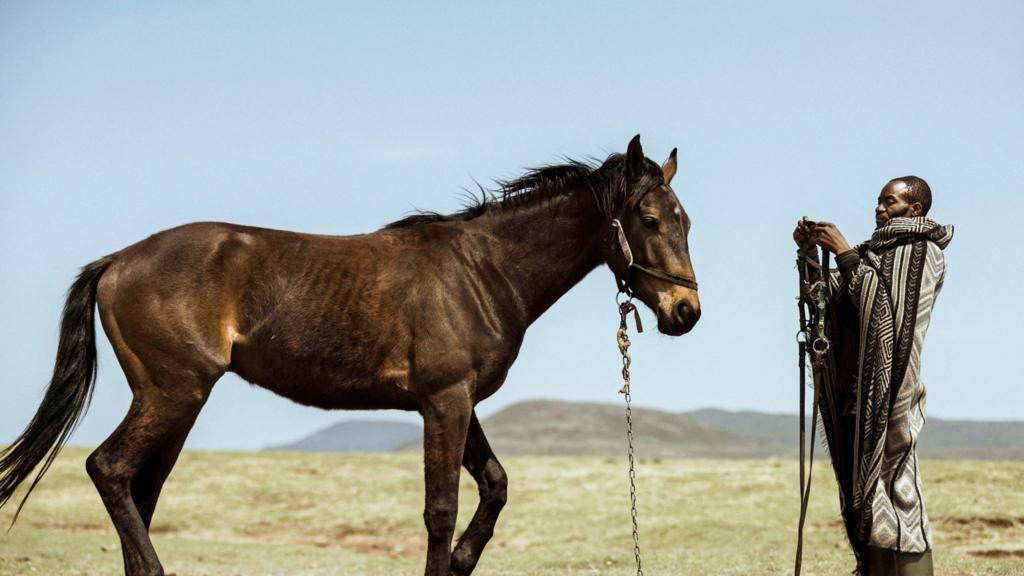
[[964, 524], [258, 530], [394, 547], [997, 553], [70, 526], [378, 539], [980, 522], [93, 527], [163, 529], [375, 540]]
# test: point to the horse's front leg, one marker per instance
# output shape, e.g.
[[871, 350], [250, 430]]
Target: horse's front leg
[[446, 416], [490, 477]]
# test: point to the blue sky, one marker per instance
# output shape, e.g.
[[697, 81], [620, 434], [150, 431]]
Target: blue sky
[[121, 120]]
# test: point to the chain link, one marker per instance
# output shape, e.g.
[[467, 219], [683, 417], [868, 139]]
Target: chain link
[[622, 338], [818, 292]]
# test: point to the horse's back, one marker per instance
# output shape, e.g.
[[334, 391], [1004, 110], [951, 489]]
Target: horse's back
[[324, 320]]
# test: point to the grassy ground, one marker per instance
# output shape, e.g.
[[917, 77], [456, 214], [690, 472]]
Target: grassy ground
[[298, 514]]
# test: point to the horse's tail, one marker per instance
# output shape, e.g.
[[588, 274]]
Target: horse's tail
[[68, 395]]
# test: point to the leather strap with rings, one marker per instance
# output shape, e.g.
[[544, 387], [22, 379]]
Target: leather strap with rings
[[624, 284]]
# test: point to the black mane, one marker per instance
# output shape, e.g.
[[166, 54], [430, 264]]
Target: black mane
[[604, 181]]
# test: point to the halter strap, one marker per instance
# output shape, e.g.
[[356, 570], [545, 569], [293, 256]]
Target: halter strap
[[686, 282]]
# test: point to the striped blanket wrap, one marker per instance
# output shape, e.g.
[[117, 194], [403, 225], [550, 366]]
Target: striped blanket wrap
[[872, 399]]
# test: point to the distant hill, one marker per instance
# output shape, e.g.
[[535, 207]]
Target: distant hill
[[357, 436], [566, 428], [552, 428], [941, 439]]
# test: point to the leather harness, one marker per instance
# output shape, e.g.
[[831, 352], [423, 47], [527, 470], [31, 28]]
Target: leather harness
[[627, 253], [813, 341]]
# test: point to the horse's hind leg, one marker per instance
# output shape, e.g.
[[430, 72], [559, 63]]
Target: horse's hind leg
[[150, 478], [490, 477], [170, 387], [130, 466]]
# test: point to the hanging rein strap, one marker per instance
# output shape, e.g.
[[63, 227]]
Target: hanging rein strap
[[813, 331], [627, 253]]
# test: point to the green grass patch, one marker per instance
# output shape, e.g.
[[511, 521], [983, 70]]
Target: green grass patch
[[310, 514]]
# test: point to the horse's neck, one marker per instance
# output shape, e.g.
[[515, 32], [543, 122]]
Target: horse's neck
[[542, 250]]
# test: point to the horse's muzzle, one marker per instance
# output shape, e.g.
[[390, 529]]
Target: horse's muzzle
[[684, 315]]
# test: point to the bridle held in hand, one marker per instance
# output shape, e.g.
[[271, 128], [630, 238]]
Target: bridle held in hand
[[812, 339]]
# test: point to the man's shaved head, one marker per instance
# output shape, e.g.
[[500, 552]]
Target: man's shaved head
[[916, 190]]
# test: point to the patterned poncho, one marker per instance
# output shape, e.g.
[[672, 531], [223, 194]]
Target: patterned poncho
[[872, 403]]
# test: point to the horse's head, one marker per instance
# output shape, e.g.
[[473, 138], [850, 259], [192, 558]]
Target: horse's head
[[648, 250]]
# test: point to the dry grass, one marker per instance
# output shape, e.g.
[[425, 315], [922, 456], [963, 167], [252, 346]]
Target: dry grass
[[300, 514]]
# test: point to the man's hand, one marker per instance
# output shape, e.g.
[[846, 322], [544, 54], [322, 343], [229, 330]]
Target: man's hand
[[830, 238], [804, 234]]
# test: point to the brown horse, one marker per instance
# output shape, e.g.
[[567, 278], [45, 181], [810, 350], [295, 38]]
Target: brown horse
[[427, 314]]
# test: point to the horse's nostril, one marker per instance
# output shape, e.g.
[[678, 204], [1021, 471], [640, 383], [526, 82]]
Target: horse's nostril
[[682, 310], [687, 312]]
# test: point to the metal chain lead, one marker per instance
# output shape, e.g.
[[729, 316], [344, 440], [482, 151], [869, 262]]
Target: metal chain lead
[[622, 338]]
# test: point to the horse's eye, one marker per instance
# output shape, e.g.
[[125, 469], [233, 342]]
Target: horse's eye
[[649, 223]]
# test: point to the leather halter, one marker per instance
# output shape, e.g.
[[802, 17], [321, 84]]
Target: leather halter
[[624, 284]]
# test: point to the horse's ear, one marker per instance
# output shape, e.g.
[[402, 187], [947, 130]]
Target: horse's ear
[[634, 158], [668, 169]]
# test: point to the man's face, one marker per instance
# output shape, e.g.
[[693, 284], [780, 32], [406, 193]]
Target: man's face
[[892, 203]]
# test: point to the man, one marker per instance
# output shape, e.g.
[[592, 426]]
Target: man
[[870, 396]]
